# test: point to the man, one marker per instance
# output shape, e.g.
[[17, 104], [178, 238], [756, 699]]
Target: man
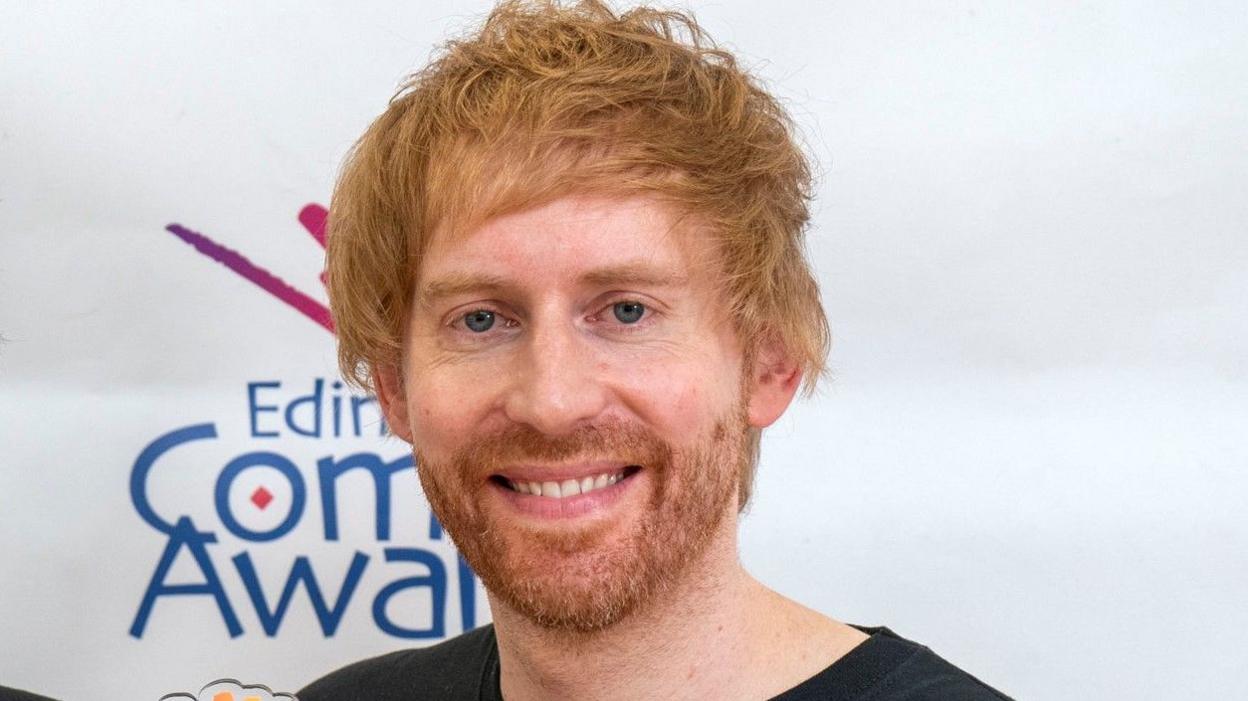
[[568, 260]]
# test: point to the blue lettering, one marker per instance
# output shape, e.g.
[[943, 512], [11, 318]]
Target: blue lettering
[[435, 527], [147, 458], [260, 459], [314, 399], [253, 409], [303, 415], [435, 580], [337, 411], [301, 572], [329, 470], [467, 594], [183, 534]]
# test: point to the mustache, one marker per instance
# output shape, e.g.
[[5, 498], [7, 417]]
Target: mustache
[[614, 440]]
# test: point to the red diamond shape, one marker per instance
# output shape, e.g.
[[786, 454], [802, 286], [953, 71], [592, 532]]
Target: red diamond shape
[[261, 497]]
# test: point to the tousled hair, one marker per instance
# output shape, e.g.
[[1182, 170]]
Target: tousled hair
[[548, 99]]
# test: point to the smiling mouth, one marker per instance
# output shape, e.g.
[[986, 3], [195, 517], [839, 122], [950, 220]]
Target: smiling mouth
[[569, 487]]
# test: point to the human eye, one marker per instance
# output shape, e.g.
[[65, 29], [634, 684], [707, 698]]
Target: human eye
[[478, 322], [628, 311], [626, 315]]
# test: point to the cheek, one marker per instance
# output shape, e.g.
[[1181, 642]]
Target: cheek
[[678, 399], [687, 407], [444, 410]]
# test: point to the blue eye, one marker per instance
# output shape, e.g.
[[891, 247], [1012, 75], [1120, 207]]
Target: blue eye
[[479, 321], [629, 312]]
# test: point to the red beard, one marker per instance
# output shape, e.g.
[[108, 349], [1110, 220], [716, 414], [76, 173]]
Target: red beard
[[591, 579]]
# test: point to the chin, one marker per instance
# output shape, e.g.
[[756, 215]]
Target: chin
[[583, 587]]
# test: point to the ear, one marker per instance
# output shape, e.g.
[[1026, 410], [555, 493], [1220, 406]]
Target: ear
[[388, 383], [773, 380]]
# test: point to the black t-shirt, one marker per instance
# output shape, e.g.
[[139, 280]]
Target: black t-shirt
[[885, 667], [7, 694]]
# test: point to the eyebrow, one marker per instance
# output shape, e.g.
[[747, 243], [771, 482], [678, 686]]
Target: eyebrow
[[634, 274], [639, 274], [457, 284]]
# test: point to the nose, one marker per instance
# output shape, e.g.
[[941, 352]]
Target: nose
[[556, 387]]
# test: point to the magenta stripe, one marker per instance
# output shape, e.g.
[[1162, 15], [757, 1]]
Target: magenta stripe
[[313, 218], [264, 279]]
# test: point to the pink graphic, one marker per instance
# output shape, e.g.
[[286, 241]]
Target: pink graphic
[[261, 498], [313, 218]]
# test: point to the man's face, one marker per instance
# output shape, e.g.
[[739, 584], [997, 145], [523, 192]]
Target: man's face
[[577, 402]]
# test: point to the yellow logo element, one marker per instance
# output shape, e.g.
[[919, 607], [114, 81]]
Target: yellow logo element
[[231, 690]]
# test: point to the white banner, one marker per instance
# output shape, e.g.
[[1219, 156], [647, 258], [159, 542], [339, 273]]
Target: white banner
[[1030, 233]]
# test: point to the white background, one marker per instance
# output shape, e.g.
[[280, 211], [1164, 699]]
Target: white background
[[1031, 238]]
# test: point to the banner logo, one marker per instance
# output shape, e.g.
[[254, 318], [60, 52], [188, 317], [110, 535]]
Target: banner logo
[[313, 217], [231, 690], [264, 487]]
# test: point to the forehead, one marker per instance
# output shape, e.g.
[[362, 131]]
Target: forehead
[[590, 237]]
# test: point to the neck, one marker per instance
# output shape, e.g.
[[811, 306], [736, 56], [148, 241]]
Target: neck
[[717, 634]]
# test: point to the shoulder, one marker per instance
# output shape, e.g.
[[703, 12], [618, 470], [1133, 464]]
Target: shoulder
[[888, 667], [454, 669]]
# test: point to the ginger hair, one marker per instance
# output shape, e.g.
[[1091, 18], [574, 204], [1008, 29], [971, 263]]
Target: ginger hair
[[547, 99]]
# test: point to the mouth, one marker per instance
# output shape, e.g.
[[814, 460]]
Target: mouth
[[565, 488]]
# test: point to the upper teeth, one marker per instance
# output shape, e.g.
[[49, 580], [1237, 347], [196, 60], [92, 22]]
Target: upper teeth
[[567, 488]]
